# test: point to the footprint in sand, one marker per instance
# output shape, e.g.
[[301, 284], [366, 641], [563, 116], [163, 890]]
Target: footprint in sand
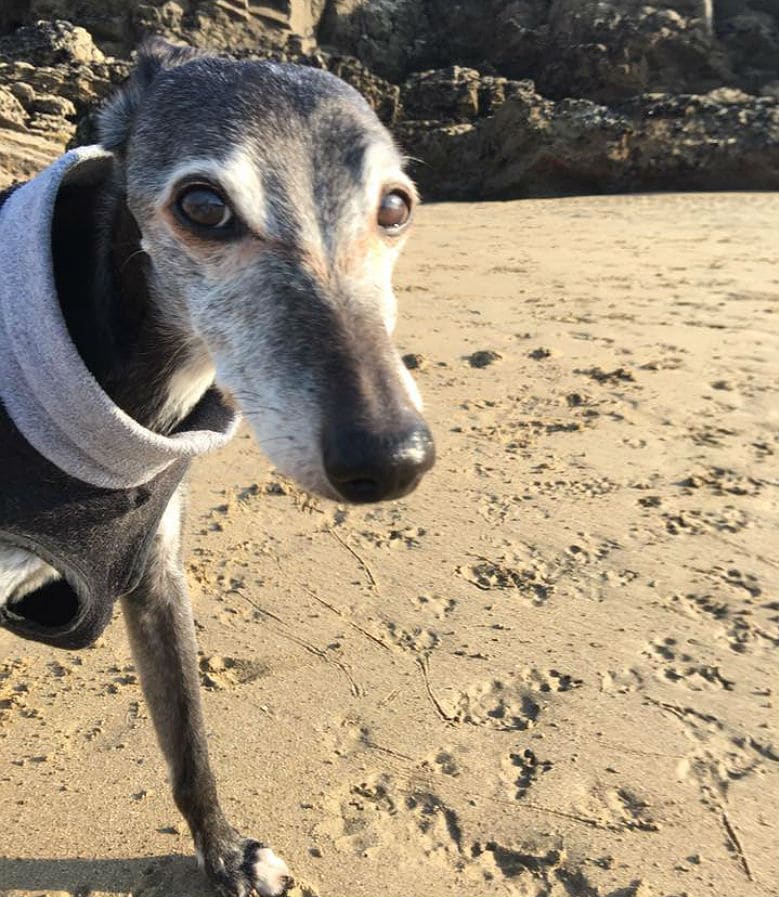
[[610, 378], [438, 605], [532, 581], [738, 622], [14, 690], [711, 437], [629, 809], [383, 811], [694, 522], [407, 537], [621, 682], [562, 486], [513, 704], [715, 766], [444, 762], [417, 640], [535, 869], [721, 481], [524, 769], [681, 668], [735, 577], [218, 673]]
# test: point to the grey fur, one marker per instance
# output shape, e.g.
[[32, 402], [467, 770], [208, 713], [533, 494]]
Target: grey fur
[[162, 634], [292, 316]]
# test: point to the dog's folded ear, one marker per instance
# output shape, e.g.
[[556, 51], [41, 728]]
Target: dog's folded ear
[[115, 119]]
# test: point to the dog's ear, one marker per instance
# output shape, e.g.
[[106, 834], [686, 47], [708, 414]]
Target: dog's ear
[[115, 119]]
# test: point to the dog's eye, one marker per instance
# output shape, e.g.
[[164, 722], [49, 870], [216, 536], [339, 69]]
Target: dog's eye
[[204, 207], [394, 211]]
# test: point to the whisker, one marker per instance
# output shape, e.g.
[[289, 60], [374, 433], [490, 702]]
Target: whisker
[[250, 397], [249, 402], [272, 439], [131, 257]]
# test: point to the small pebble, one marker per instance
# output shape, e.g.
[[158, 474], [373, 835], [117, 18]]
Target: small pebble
[[483, 358], [414, 361]]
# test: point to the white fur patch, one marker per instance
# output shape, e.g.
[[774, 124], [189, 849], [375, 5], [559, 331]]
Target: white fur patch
[[185, 389], [170, 523], [270, 873], [239, 178], [20, 571], [411, 386]]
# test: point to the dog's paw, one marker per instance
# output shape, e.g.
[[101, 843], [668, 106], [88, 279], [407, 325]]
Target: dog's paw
[[245, 868], [269, 873]]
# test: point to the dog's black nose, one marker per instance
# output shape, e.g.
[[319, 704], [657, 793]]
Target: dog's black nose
[[366, 466]]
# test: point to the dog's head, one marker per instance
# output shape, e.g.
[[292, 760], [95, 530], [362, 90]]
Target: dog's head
[[272, 206]]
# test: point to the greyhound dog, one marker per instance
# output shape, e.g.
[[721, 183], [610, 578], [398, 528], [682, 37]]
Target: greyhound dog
[[229, 244]]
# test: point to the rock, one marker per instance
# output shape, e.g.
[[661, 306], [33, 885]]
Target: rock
[[603, 50], [12, 114], [483, 358], [624, 95], [414, 361], [53, 105], [390, 36], [533, 146], [771, 90], [13, 13], [447, 94], [166, 18], [118, 25], [23, 92], [51, 43], [607, 50], [383, 96], [67, 78], [751, 38], [23, 154]]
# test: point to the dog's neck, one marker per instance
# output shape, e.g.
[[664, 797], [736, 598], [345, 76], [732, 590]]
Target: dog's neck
[[150, 370]]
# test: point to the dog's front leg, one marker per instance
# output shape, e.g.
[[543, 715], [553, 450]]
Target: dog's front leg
[[159, 621]]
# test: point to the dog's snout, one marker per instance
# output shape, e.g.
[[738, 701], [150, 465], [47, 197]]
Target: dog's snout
[[366, 466]]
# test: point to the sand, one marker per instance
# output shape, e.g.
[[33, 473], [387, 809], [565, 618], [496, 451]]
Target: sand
[[551, 671]]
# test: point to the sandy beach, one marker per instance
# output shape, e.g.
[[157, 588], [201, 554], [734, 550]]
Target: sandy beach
[[550, 672]]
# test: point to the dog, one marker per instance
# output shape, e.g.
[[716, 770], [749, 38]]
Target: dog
[[228, 245]]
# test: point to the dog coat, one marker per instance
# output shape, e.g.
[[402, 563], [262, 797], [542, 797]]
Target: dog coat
[[83, 486]]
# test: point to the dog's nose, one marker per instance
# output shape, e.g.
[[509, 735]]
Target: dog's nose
[[365, 466]]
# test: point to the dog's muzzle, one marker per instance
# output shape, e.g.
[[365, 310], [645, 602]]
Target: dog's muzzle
[[367, 466]]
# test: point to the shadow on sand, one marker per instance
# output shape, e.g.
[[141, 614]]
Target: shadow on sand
[[171, 875]]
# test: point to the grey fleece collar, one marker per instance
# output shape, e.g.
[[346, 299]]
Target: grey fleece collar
[[46, 388]]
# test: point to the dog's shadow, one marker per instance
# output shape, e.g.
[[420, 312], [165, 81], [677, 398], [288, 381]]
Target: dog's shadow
[[161, 876]]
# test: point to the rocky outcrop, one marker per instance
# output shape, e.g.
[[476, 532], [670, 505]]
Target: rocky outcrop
[[51, 76], [622, 52], [602, 50], [533, 146], [118, 25], [392, 37], [495, 97]]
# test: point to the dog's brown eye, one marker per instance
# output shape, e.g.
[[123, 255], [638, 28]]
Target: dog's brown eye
[[394, 211], [204, 207]]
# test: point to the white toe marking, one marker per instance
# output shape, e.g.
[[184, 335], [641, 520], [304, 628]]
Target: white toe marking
[[270, 873]]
